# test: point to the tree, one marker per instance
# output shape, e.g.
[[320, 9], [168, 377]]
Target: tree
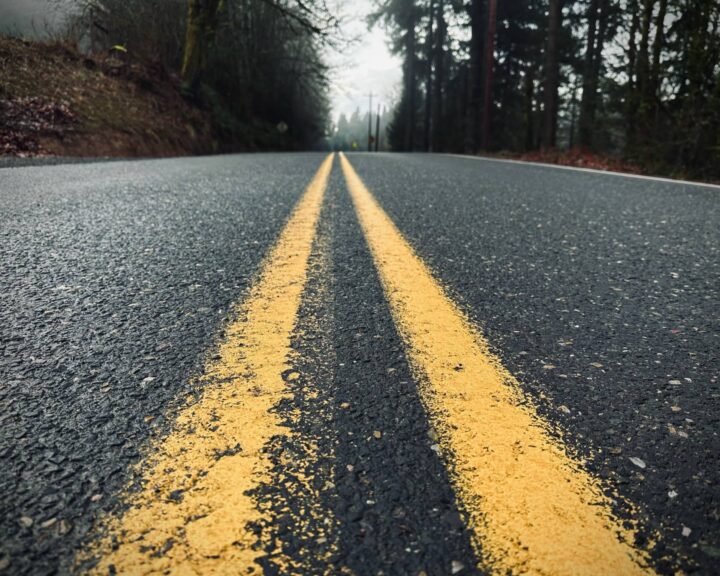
[[598, 15], [489, 65], [410, 23], [429, 52], [402, 18], [256, 65], [474, 75], [519, 76], [643, 68], [440, 76], [552, 75], [202, 19]]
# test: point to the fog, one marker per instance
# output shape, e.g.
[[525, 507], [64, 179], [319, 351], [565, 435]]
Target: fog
[[35, 18], [363, 67]]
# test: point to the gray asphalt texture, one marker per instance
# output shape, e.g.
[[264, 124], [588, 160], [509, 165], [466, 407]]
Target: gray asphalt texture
[[613, 281], [18, 162], [114, 282], [600, 293], [395, 505]]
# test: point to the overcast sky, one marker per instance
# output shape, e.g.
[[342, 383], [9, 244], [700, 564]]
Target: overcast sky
[[26, 16], [363, 67], [357, 69]]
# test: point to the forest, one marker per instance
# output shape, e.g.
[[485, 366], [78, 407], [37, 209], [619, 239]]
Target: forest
[[255, 64], [631, 79]]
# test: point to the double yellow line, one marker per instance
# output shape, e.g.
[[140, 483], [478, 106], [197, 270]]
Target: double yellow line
[[194, 512], [530, 507]]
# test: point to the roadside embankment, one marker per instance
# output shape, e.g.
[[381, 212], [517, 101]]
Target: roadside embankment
[[55, 101]]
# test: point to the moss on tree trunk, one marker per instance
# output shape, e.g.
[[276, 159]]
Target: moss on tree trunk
[[202, 17]]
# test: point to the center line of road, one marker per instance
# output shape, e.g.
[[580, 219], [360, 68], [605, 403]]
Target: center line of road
[[193, 513], [531, 508]]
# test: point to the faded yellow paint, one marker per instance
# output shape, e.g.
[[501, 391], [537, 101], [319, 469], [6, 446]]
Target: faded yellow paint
[[194, 514], [530, 507]]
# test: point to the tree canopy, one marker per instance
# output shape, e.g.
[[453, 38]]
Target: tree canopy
[[638, 79]]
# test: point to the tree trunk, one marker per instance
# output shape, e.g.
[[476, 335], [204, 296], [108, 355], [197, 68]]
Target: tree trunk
[[377, 130], [573, 116], [600, 46], [631, 98], [589, 82], [474, 75], [552, 76], [529, 91], [700, 69], [201, 24], [428, 77], [655, 76], [643, 69], [411, 82], [600, 38], [489, 64], [439, 57], [658, 46]]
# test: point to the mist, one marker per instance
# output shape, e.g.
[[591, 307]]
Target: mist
[[32, 18]]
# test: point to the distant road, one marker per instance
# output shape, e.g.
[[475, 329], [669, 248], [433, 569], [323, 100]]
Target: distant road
[[398, 364]]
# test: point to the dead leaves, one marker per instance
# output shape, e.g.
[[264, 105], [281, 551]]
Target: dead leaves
[[24, 120]]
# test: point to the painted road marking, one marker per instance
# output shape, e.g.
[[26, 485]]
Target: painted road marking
[[193, 514], [588, 170], [530, 507]]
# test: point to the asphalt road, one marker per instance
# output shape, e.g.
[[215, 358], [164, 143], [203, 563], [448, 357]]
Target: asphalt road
[[599, 294]]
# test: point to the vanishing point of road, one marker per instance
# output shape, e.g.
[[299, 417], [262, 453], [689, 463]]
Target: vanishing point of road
[[362, 364]]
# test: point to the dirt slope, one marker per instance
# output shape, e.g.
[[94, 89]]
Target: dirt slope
[[56, 101]]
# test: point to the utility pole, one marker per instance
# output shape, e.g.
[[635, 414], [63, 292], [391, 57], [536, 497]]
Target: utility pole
[[377, 129], [489, 62], [370, 123]]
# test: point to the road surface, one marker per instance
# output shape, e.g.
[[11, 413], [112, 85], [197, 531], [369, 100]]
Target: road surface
[[372, 364]]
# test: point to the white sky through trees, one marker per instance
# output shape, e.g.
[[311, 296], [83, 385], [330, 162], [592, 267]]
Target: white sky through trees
[[365, 65]]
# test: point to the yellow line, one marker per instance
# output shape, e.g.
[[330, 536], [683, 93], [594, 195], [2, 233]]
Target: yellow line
[[194, 514], [530, 507]]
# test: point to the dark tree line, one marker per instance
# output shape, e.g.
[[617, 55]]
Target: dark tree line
[[638, 79], [256, 64]]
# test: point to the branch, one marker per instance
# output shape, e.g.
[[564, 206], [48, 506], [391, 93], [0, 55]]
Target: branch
[[288, 13]]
